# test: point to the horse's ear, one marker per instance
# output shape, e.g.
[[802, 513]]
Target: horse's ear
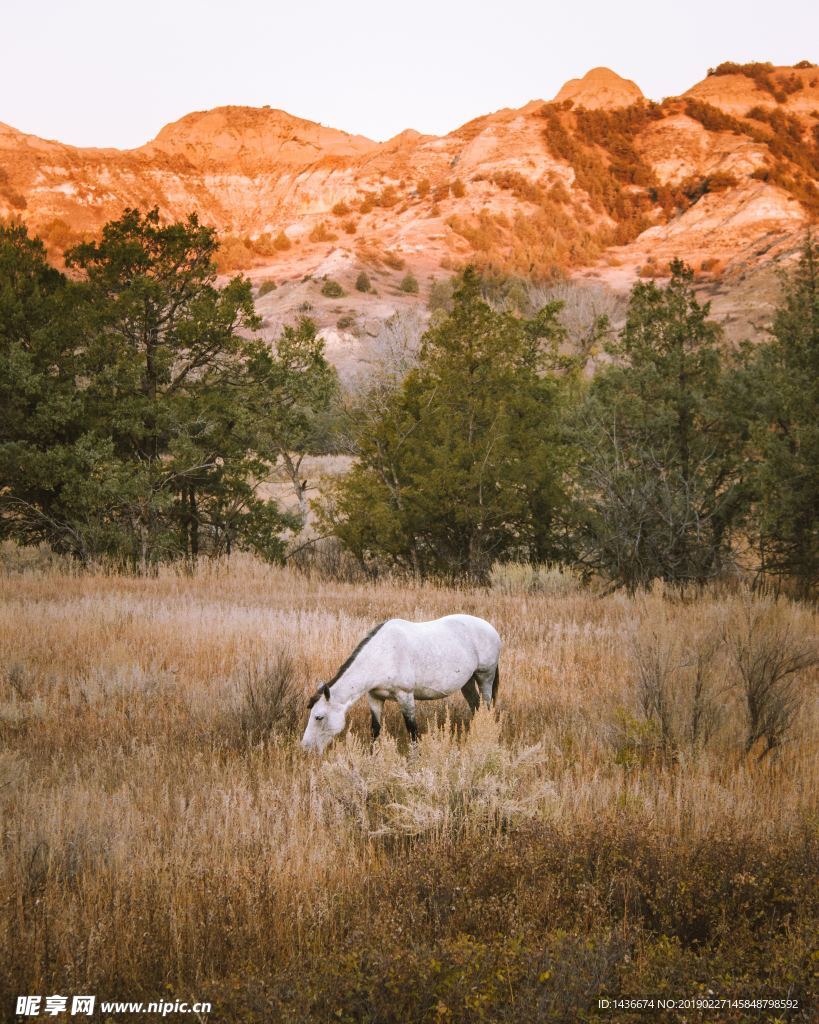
[[326, 691]]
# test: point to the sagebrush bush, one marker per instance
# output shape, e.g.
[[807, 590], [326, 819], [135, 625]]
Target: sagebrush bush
[[332, 289], [410, 284], [447, 786], [271, 699]]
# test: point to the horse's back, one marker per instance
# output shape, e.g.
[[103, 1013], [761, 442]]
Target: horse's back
[[466, 633], [480, 632]]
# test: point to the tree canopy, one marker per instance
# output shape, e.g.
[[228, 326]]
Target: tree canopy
[[142, 403], [463, 463]]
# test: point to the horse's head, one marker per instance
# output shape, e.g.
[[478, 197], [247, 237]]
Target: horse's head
[[327, 719]]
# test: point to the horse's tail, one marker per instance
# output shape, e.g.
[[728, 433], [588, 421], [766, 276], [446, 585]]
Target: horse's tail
[[496, 684]]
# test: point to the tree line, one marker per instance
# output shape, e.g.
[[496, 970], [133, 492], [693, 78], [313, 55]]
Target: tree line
[[143, 415], [680, 459]]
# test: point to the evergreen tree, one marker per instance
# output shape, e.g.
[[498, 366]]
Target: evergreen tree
[[295, 392], [660, 487], [463, 463], [41, 407], [787, 434], [140, 411]]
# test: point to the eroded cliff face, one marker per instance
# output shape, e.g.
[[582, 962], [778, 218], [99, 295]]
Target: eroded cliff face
[[598, 182]]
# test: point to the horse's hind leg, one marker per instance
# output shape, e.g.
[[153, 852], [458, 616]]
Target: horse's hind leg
[[470, 692], [487, 684], [406, 701]]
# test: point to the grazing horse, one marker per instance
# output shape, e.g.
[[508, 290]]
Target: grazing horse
[[408, 661]]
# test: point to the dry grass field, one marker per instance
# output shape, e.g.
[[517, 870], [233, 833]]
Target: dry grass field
[[163, 836]]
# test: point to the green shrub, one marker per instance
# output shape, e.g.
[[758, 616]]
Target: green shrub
[[265, 288], [362, 282], [332, 289], [440, 295], [410, 284]]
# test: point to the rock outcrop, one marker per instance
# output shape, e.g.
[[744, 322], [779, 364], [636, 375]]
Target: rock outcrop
[[600, 89]]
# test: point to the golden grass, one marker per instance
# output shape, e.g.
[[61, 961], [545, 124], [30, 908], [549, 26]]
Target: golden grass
[[149, 845]]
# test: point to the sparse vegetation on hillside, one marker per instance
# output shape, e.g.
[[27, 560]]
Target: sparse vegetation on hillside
[[765, 76], [322, 233], [794, 157]]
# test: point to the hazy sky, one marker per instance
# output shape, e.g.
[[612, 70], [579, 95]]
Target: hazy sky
[[112, 72]]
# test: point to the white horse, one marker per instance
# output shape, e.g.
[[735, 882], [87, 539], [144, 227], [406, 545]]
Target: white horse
[[408, 661]]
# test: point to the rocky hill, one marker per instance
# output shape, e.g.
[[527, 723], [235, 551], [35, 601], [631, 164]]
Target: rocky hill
[[598, 183]]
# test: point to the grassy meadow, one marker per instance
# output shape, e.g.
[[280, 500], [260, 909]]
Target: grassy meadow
[[604, 833]]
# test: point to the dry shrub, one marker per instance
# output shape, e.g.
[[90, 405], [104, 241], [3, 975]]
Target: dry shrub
[[322, 233], [393, 260], [770, 660], [677, 681], [447, 786], [327, 559], [271, 700], [525, 578]]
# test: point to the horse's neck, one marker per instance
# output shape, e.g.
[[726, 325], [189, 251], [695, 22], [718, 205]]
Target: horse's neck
[[354, 683]]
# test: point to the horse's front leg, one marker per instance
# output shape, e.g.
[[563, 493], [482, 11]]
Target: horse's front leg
[[376, 714], [406, 701]]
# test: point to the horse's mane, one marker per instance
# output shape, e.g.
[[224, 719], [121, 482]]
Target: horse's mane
[[359, 647]]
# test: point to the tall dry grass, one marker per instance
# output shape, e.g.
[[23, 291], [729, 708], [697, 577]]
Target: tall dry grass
[[163, 833]]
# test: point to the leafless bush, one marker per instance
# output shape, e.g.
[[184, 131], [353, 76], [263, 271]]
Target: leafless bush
[[589, 308], [18, 560], [395, 348], [327, 559], [769, 659], [676, 685], [271, 701]]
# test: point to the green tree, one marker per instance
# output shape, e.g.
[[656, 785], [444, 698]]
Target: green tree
[[295, 392], [166, 362], [42, 408], [461, 463], [139, 405], [660, 489], [786, 437]]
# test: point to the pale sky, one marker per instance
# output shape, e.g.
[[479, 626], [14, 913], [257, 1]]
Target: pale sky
[[113, 72]]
